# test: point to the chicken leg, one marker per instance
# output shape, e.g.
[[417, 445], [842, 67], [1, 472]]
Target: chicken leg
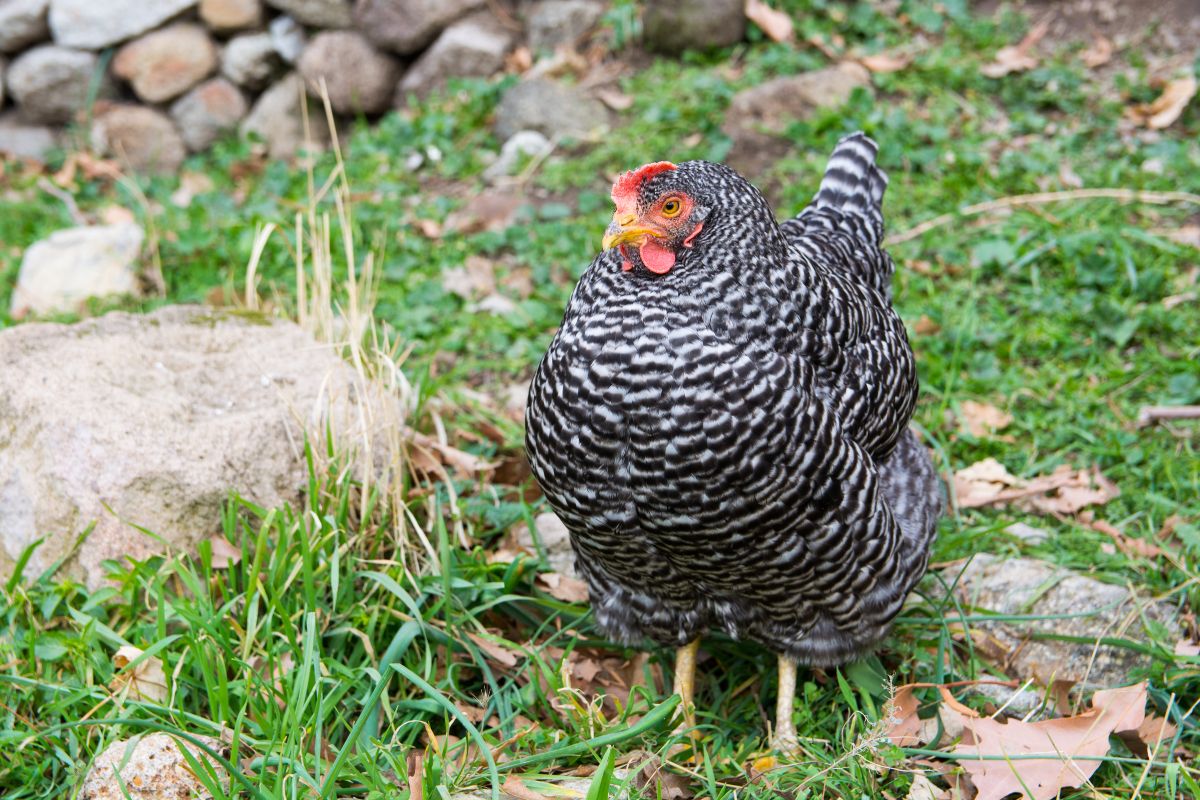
[[685, 685], [785, 739]]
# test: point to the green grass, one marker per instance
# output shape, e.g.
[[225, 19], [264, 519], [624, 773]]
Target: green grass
[[330, 666]]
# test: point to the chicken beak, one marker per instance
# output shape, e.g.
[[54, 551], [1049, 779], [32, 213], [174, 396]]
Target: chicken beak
[[622, 230]]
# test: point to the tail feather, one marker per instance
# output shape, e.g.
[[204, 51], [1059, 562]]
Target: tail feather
[[853, 183]]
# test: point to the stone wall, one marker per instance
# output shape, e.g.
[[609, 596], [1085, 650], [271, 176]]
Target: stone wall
[[149, 81]]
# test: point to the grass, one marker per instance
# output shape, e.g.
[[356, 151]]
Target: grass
[[337, 664]]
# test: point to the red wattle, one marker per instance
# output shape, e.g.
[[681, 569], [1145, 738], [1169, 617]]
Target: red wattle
[[657, 258]]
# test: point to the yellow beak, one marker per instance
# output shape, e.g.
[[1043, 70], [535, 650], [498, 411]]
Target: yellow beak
[[623, 231]]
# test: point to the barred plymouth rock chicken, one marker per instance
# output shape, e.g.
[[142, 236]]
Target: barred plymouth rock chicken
[[722, 421]]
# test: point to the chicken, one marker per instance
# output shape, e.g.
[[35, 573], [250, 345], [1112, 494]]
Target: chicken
[[721, 421]]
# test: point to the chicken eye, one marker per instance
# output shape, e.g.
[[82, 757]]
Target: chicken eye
[[672, 207]]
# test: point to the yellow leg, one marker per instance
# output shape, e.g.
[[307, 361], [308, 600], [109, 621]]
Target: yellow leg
[[685, 685], [785, 740]]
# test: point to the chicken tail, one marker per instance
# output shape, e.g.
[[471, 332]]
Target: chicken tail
[[854, 184]]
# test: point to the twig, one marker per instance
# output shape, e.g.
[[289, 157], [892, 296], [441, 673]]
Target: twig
[[1148, 415], [1040, 198], [72, 209]]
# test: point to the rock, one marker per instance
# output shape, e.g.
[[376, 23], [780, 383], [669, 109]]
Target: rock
[[521, 143], [151, 767], [22, 24], [251, 60], [166, 63], [474, 46], [60, 272], [3, 64], [156, 417], [555, 23], [205, 113], [289, 38], [359, 78], [407, 26], [143, 139], [93, 25], [50, 83], [226, 16], [672, 28], [549, 108], [553, 541], [317, 13], [1031, 587], [1027, 533], [277, 119], [23, 140]]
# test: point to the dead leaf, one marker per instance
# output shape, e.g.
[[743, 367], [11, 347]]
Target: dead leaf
[[1064, 491], [415, 763], [1060, 740], [904, 725], [1188, 234], [474, 279], [925, 326], [145, 681], [497, 652], [1149, 736], [429, 228], [1099, 53], [777, 25], [563, 587], [519, 60], [1187, 649], [191, 185], [1017, 58], [515, 788], [116, 215], [655, 780], [982, 483], [224, 554], [1129, 545], [494, 304], [982, 419], [1069, 177], [883, 63], [490, 210], [1167, 107], [429, 452], [614, 99], [923, 789]]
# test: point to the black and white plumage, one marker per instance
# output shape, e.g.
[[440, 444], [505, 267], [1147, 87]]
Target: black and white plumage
[[722, 419]]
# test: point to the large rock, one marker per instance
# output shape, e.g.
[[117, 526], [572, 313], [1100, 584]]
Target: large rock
[[522, 144], [359, 78], [23, 140], [551, 109], [407, 26], [61, 272], [472, 47], [152, 767], [317, 13], [227, 16], [143, 139], [3, 65], [251, 60], [211, 109], [289, 38], [277, 118], [94, 25], [166, 63], [672, 28], [156, 417], [50, 83], [1074, 606], [22, 24], [557, 23]]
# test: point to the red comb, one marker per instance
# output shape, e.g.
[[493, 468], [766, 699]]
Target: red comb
[[626, 187]]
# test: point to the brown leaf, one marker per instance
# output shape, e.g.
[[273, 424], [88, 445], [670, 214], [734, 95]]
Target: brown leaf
[[614, 99], [429, 452], [1149, 736], [982, 419], [490, 210], [1129, 545], [519, 60], [777, 25], [904, 726], [415, 763], [1168, 106], [474, 279], [1099, 53], [1017, 58], [224, 554], [497, 652], [146, 681], [191, 185], [429, 228], [925, 326], [982, 483], [883, 63], [1064, 491], [924, 789], [1059, 740], [655, 780], [515, 788], [563, 587]]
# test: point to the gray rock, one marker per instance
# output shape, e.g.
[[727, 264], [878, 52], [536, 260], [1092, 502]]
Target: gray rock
[[22, 24], [205, 113], [1027, 533], [474, 46], [520, 144], [674, 27], [151, 767], [251, 60], [289, 38], [555, 23], [358, 77], [143, 139], [227, 16], [407, 26], [553, 542], [770, 107], [50, 83], [317, 13], [166, 63], [551, 109], [93, 25], [1078, 606], [62, 271], [3, 65], [276, 117], [23, 140]]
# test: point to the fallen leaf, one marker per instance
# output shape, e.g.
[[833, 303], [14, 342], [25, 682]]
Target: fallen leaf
[[923, 789], [515, 788], [1017, 58], [982, 419], [1064, 491], [490, 210], [191, 185], [497, 652], [116, 215], [777, 25], [145, 681], [224, 554], [429, 452], [655, 780], [519, 60], [1188, 234], [1168, 106], [883, 63], [474, 279], [494, 304], [616, 100], [982, 483], [1129, 545], [904, 725], [1069, 177], [924, 326], [429, 228], [1099, 53], [1149, 736], [1187, 649], [563, 587]]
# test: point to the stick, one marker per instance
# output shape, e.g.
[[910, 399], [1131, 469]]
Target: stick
[[1041, 198], [1148, 415]]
